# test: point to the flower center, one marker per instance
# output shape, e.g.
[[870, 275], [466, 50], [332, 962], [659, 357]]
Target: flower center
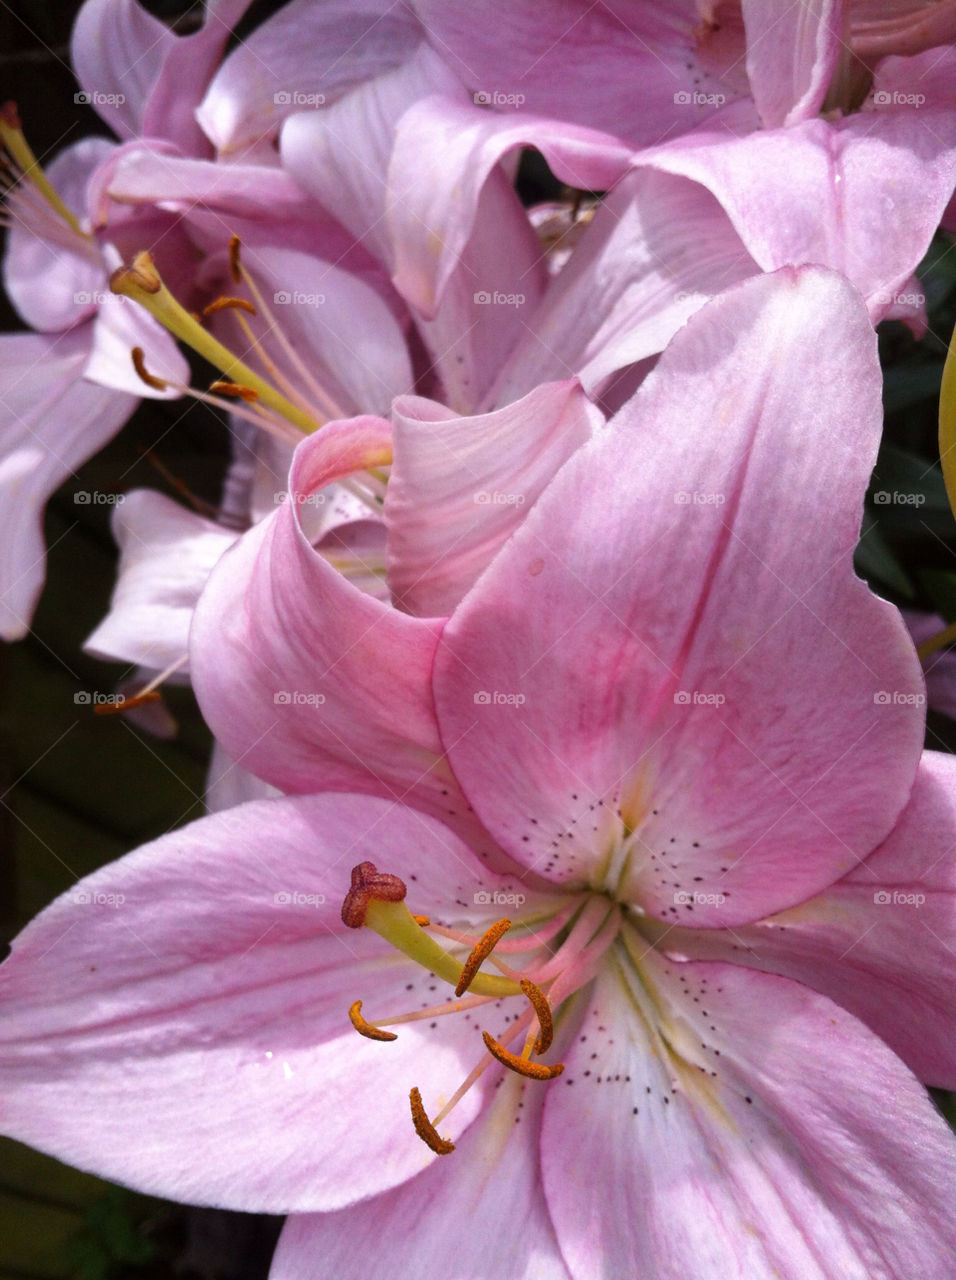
[[585, 925]]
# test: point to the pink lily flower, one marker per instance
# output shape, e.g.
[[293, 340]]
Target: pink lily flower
[[430, 197], [69, 387], [694, 1114]]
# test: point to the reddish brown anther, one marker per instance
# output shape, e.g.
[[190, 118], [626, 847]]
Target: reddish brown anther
[[480, 953], [249, 394], [127, 704], [235, 261], [229, 304], [533, 1070], [144, 375], [10, 115], [425, 1129], [542, 1010], [368, 883], [367, 1029]]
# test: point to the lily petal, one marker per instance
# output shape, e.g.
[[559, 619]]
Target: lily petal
[[166, 556], [629, 663], [658, 248], [491, 1182], [460, 486], [277, 69], [820, 192], [733, 1153], [117, 50], [792, 52], [882, 941], [51, 420], [661, 69], [445, 151], [305, 679], [218, 954]]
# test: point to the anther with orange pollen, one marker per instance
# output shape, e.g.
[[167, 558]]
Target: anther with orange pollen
[[377, 900]]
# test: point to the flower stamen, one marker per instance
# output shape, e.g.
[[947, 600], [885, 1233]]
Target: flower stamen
[[226, 303], [249, 394], [425, 1129], [533, 1070], [139, 364], [480, 953], [142, 282], [367, 1029], [543, 1013]]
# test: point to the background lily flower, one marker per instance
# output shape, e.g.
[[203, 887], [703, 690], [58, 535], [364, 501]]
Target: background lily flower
[[69, 387], [708, 1111], [667, 67]]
